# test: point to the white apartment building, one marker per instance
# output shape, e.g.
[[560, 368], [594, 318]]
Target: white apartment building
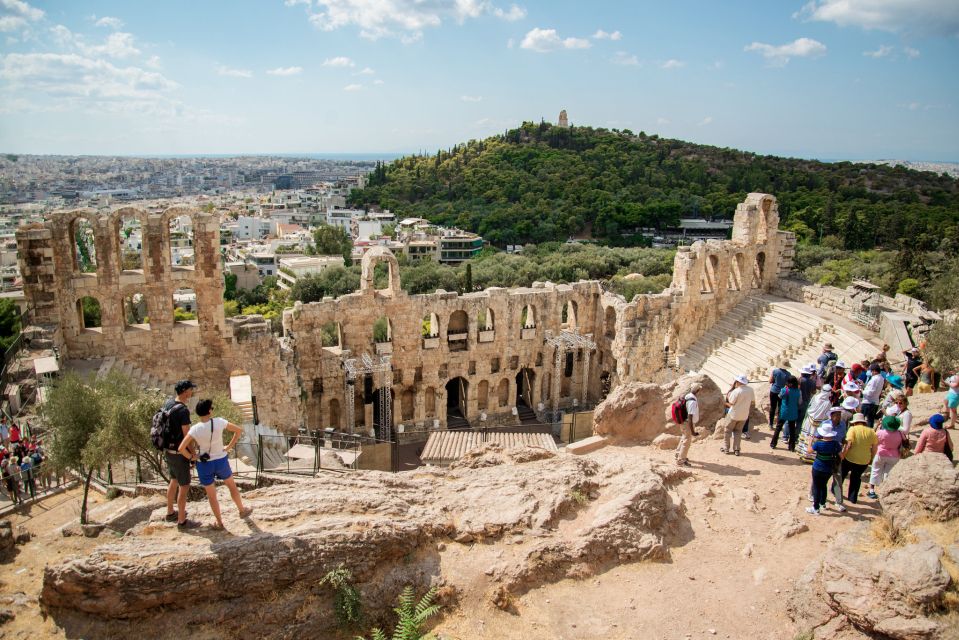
[[293, 268]]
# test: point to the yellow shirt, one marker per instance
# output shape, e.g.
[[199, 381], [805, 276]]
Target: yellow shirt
[[861, 440]]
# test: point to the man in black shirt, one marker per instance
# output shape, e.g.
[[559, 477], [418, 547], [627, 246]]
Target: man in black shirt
[[179, 465]]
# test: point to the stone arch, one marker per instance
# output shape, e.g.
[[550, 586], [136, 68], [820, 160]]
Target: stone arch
[[431, 326], [711, 274], [382, 330], [136, 310], [370, 259], [457, 331], [759, 270], [502, 392], [406, 405], [129, 234], [736, 268], [83, 227], [174, 248], [568, 318], [486, 319], [89, 313], [609, 324], [331, 335], [768, 219], [528, 317], [482, 395]]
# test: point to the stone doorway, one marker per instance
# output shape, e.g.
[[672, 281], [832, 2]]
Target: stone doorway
[[456, 396], [525, 380]]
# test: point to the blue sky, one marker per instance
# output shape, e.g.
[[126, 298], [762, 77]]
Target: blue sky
[[853, 79]]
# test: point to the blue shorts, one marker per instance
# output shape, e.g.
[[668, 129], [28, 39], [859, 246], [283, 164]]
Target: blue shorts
[[219, 469]]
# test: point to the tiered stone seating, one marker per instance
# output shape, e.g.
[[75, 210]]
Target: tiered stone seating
[[753, 339], [148, 380]]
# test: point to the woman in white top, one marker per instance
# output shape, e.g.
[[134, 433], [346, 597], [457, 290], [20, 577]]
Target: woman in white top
[[905, 415], [212, 458]]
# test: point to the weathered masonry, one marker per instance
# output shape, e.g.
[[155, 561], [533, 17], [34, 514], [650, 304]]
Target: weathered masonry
[[383, 360]]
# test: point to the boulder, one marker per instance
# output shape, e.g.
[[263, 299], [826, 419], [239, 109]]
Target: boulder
[[639, 411], [921, 486], [666, 441], [885, 592], [788, 525]]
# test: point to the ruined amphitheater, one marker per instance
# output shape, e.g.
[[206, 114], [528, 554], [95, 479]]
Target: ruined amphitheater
[[521, 541]]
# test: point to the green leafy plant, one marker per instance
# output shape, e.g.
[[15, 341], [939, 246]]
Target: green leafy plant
[[579, 497], [347, 604], [413, 614]]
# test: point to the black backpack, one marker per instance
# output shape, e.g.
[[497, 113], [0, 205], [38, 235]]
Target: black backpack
[[161, 433]]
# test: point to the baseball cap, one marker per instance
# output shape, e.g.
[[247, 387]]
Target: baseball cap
[[742, 379], [183, 385]]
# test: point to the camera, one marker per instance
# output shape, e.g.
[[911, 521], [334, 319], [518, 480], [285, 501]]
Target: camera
[[204, 457]]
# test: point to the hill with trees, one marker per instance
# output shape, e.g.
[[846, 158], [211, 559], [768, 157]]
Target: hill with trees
[[541, 182]]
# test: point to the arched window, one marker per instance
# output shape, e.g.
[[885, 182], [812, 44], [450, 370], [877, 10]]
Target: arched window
[[89, 313], [334, 413], [136, 313], [482, 395], [736, 272], [429, 402], [457, 331], [181, 241], [568, 319], [502, 392], [84, 246], [331, 335], [528, 317], [610, 323], [406, 405], [129, 234], [382, 330], [485, 324], [184, 306], [431, 326], [759, 270], [709, 277]]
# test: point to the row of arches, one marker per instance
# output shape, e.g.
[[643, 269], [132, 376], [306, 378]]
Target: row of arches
[[737, 277], [126, 235], [136, 311]]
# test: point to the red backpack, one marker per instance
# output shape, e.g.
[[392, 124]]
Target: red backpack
[[678, 411]]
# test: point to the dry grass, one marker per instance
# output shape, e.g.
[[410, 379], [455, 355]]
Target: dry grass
[[885, 535]]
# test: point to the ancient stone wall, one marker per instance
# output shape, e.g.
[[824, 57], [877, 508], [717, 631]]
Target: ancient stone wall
[[484, 358]]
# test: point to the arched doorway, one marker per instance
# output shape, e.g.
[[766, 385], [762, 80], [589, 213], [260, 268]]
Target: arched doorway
[[525, 380], [456, 396]]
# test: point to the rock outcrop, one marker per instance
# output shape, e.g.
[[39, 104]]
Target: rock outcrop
[[921, 486], [573, 516], [639, 411]]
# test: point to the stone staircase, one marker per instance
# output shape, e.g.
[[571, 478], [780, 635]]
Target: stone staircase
[[760, 334], [526, 415], [148, 380]]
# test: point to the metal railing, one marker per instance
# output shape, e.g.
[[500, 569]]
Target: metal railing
[[23, 487]]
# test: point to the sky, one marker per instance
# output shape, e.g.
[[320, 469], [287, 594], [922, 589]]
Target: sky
[[827, 79]]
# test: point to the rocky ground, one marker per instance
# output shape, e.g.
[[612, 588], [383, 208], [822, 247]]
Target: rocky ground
[[616, 544]]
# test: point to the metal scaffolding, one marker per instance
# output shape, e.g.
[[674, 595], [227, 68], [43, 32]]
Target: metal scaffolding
[[381, 369], [564, 342]]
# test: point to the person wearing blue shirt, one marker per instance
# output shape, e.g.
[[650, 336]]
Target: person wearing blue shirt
[[789, 399], [827, 455], [777, 382], [840, 426]]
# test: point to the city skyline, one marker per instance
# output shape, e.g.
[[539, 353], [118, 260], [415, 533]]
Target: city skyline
[[828, 79]]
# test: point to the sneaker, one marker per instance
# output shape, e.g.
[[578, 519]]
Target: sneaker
[[683, 463], [247, 512], [736, 452], [872, 494], [745, 436], [723, 450], [772, 446], [841, 508], [172, 517], [187, 524], [812, 510]]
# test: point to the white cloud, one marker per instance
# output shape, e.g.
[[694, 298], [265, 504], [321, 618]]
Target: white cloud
[[935, 17], [153, 62], [233, 73], [378, 82], [352, 87], [22, 9], [910, 52], [672, 63], [405, 19], [883, 51], [108, 21], [603, 35], [471, 98], [546, 40], [118, 44], [365, 71], [626, 59], [780, 55], [285, 71], [512, 14], [705, 121], [662, 121], [339, 61]]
